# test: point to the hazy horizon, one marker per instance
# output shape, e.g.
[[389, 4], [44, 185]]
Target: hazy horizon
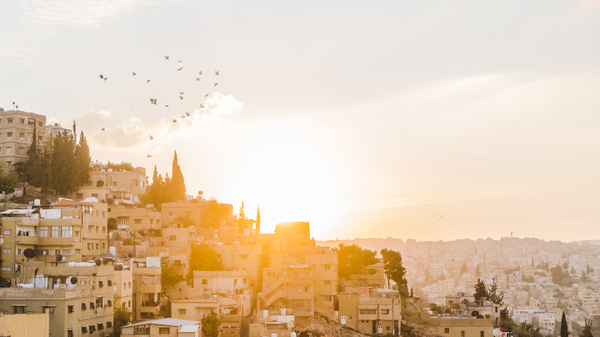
[[430, 121]]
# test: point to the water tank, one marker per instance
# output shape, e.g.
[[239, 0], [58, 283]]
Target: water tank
[[36, 202]]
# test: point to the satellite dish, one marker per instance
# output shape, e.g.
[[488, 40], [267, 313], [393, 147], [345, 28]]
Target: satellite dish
[[58, 257], [29, 253], [130, 255], [73, 280], [475, 313], [118, 267], [98, 262]]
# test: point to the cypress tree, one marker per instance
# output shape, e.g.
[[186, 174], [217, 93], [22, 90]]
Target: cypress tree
[[177, 183], [82, 161], [62, 169], [564, 329]]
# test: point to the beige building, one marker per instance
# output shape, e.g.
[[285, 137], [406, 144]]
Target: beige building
[[374, 278], [241, 257], [194, 309], [467, 327], [121, 186], [166, 327], [42, 235], [77, 296], [94, 233], [146, 290], [325, 275], [375, 313], [197, 213], [123, 282], [138, 219], [25, 325], [16, 134]]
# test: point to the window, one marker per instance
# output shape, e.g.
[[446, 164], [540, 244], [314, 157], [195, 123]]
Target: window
[[5, 268], [462, 334], [57, 252], [10, 120], [244, 257], [385, 311], [481, 333], [137, 221], [66, 252], [48, 309], [109, 303], [78, 251], [446, 330], [18, 309], [204, 281], [6, 251], [22, 120], [83, 306], [9, 135], [327, 282], [109, 283], [92, 328], [182, 311], [9, 150], [101, 284], [21, 136], [163, 331], [172, 237], [327, 267], [171, 213], [92, 305], [84, 329], [66, 231], [7, 232], [40, 124], [100, 326], [43, 232], [70, 333], [368, 311], [19, 251], [21, 150], [70, 309], [108, 324], [55, 231]]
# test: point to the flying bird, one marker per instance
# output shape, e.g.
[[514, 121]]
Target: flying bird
[[133, 73], [150, 137], [187, 114], [166, 57], [217, 72], [180, 97], [103, 129], [179, 69], [206, 95], [182, 92], [200, 72], [148, 156], [182, 117], [153, 101], [216, 84], [202, 106], [180, 61], [197, 78], [174, 121], [166, 105], [102, 77], [148, 81]]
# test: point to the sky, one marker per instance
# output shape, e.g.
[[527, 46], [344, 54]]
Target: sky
[[426, 120]]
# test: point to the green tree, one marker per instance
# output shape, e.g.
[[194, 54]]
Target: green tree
[[122, 317], [353, 260], [178, 185], [7, 181], [493, 295], [392, 266], [123, 166], [564, 329], [204, 258], [112, 224], [214, 214], [33, 169], [587, 329], [82, 161], [481, 292], [170, 276], [464, 269], [210, 325], [62, 168]]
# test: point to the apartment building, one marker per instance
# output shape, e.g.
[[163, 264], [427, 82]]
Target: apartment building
[[121, 186], [377, 312], [39, 234], [16, 134], [325, 279], [146, 290], [464, 327], [123, 281], [77, 296], [24, 324], [142, 220], [94, 232], [163, 327]]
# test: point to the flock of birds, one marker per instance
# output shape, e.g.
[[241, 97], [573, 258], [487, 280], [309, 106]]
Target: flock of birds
[[154, 101], [438, 216]]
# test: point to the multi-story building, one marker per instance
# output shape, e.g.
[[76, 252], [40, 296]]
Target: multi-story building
[[25, 324], [78, 296], [16, 134], [123, 282], [163, 327], [464, 327], [47, 235], [146, 290], [138, 219], [94, 233], [325, 276], [121, 186], [378, 313]]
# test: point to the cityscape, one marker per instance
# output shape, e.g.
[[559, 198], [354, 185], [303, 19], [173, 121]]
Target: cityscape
[[299, 169]]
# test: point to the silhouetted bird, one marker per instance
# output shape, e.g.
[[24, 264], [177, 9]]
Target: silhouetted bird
[[179, 69], [180, 97], [150, 137], [103, 129], [206, 95], [202, 106], [166, 105], [180, 61], [133, 73], [187, 114], [148, 156], [166, 57], [217, 72], [174, 121], [216, 84], [153, 101], [182, 92], [197, 78], [148, 81], [200, 72]]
